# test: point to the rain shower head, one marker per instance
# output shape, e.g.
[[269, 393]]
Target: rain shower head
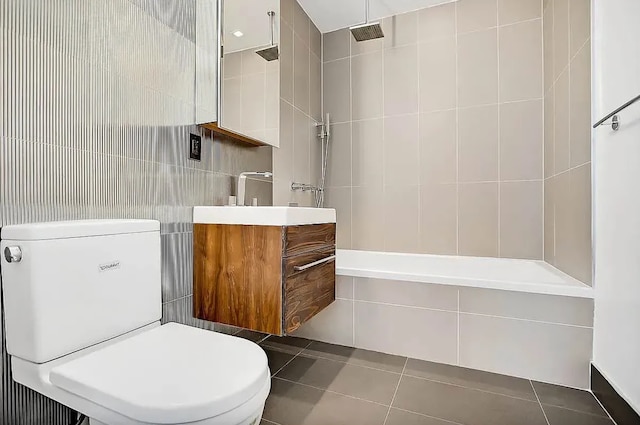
[[368, 30], [270, 53]]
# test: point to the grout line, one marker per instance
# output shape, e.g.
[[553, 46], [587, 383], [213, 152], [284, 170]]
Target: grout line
[[396, 391], [428, 416], [475, 314], [539, 403], [422, 378], [312, 356], [269, 422], [292, 359], [498, 109], [331, 391], [457, 112], [458, 332], [606, 416]]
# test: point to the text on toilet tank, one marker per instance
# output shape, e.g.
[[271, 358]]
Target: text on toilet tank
[[113, 265]]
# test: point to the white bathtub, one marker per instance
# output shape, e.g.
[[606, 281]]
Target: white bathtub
[[490, 273], [513, 317]]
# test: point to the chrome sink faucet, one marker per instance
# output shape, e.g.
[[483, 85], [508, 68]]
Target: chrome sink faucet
[[242, 183]]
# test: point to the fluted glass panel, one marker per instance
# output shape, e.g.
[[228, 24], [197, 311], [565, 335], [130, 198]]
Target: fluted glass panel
[[96, 109]]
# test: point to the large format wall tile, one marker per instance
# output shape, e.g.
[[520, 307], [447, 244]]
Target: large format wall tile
[[521, 70], [367, 87], [478, 219], [400, 80], [510, 11], [476, 15], [439, 215], [520, 305], [438, 147], [435, 23], [521, 219], [333, 325], [521, 140], [494, 106], [478, 144], [368, 152], [478, 68], [438, 75], [337, 90], [401, 218], [414, 332], [547, 352], [412, 294]]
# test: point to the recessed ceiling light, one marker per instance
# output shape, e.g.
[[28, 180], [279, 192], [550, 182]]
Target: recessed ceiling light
[[238, 33]]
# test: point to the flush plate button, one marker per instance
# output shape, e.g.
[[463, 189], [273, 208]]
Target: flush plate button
[[13, 254]]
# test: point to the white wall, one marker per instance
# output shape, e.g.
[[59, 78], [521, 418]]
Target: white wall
[[617, 197]]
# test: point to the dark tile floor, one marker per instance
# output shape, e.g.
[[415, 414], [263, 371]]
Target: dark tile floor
[[322, 384]]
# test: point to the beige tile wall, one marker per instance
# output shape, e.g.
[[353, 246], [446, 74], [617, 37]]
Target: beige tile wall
[[567, 136], [251, 94], [438, 137], [298, 157], [542, 337]]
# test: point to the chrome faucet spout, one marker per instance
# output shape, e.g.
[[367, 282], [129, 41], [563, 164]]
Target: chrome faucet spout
[[242, 183]]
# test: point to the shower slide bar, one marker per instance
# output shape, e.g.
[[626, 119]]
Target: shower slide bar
[[615, 121]]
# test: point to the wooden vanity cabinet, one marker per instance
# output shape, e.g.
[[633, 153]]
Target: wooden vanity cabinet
[[269, 279]]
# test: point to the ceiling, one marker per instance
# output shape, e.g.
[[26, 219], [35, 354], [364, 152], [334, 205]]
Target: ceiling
[[331, 15], [250, 17]]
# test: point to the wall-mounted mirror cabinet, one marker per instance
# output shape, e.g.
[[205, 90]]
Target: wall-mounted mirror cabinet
[[246, 88]]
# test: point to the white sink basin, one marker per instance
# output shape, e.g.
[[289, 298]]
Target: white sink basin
[[263, 216]]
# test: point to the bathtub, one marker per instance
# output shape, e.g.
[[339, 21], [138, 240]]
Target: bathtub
[[513, 317], [528, 276]]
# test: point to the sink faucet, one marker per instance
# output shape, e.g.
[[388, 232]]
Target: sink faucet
[[242, 182]]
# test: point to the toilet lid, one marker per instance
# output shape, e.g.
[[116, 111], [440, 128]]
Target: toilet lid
[[170, 374]]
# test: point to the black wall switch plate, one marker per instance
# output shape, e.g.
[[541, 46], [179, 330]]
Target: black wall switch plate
[[195, 148]]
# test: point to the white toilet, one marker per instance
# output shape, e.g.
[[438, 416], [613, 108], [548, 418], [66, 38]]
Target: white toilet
[[83, 306]]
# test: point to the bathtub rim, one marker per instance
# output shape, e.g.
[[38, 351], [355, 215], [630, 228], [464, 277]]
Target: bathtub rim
[[573, 287]]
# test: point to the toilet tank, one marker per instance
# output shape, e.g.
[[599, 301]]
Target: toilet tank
[[78, 283]]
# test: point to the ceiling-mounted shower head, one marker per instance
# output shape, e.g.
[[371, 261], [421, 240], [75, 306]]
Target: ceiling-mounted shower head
[[368, 30], [270, 53]]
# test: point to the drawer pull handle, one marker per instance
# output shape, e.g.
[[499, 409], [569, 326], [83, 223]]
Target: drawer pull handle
[[315, 263]]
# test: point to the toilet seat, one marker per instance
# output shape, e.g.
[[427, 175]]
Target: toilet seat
[[171, 374]]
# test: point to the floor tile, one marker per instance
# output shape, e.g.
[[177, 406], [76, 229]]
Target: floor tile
[[555, 395], [470, 378], [288, 344], [251, 335], [559, 416], [356, 381], [294, 404], [276, 359], [464, 405], [400, 417], [356, 356]]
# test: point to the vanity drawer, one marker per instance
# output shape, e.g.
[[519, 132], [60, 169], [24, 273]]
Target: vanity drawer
[[313, 237], [309, 286]]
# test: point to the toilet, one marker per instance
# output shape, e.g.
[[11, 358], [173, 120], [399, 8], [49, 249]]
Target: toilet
[[83, 306]]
